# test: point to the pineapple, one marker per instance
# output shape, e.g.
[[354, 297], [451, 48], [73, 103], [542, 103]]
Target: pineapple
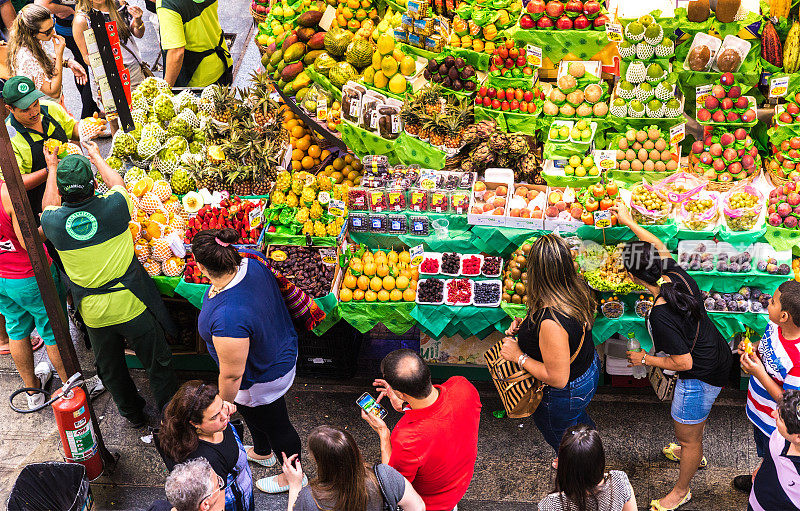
[[434, 126], [223, 99], [410, 115], [430, 99]]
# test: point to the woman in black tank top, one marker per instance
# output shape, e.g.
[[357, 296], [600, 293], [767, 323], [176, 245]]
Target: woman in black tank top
[[554, 340]]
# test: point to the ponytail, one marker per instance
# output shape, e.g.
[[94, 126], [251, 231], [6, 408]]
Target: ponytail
[[213, 248], [682, 300]]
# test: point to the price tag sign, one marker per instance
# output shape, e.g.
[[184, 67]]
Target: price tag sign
[[602, 219], [322, 109], [287, 158], [255, 217], [614, 32], [327, 18], [278, 255], [677, 133], [416, 255], [778, 87], [534, 55], [328, 256], [701, 93], [605, 159], [336, 207]]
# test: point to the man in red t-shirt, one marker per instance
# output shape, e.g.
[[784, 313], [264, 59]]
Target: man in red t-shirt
[[435, 444]]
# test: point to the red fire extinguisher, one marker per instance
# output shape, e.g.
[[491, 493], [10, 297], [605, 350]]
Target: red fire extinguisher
[[74, 425]]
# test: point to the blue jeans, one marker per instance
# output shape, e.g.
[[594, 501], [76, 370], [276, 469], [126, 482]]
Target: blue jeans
[[693, 400], [563, 408]]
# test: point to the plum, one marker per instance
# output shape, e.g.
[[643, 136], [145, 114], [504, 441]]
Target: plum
[[709, 304]]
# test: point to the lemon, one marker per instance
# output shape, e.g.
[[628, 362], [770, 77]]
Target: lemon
[[407, 66], [379, 80], [389, 66], [385, 44], [369, 75], [398, 84]]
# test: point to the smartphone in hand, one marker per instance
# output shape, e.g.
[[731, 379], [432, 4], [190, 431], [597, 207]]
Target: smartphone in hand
[[367, 403]]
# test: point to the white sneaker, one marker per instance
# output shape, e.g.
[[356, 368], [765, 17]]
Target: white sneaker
[[35, 400], [43, 372], [94, 386]]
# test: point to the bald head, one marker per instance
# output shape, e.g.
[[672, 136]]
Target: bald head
[[406, 372]]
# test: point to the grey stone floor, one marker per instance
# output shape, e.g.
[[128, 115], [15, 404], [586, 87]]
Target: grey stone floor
[[513, 468]]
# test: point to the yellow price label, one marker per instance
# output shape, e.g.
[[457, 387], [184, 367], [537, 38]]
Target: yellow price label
[[278, 255]]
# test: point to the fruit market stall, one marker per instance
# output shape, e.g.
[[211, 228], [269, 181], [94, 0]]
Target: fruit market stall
[[396, 159]]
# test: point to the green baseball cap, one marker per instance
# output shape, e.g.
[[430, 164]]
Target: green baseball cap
[[75, 176], [20, 92]]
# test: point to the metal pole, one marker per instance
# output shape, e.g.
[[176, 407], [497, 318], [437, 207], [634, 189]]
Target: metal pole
[[29, 228]]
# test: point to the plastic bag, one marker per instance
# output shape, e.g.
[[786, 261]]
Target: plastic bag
[[648, 205], [742, 207], [680, 187], [50, 486], [700, 213]]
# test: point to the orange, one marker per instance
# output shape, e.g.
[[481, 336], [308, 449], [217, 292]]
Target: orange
[[338, 164], [325, 154], [297, 154], [345, 295], [376, 284], [307, 162], [314, 151], [297, 132], [358, 295], [304, 143], [291, 123], [369, 268], [401, 282], [363, 283], [388, 282], [409, 295], [396, 295], [296, 165], [382, 270], [412, 284], [348, 158], [370, 296], [383, 295], [350, 282]]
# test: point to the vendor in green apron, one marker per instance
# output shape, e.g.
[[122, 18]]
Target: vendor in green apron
[[115, 295], [196, 54], [32, 121]]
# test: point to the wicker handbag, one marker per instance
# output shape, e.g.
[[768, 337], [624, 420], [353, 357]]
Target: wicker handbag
[[663, 384], [519, 391]]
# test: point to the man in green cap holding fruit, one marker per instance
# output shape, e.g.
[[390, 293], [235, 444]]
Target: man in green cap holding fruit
[[115, 295], [195, 51], [32, 122]]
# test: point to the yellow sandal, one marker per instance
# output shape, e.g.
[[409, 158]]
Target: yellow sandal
[[655, 505], [669, 453]]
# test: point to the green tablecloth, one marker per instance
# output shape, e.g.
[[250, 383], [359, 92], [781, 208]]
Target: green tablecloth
[[411, 151], [500, 240], [442, 320], [555, 44], [619, 234], [166, 285], [742, 237], [781, 238], [405, 149], [273, 238], [632, 177], [725, 282], [364, 316]]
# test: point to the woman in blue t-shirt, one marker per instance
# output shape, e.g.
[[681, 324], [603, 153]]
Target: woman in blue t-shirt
[[249, 333]]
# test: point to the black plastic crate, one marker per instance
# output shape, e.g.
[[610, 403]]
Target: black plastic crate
[[334, 354]]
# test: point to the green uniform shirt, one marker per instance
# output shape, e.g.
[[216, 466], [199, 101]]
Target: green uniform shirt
[[96, 247], [21, 148], [186, 24]]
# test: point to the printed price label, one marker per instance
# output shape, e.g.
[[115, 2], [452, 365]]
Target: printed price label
[[322, 110], [778, 87], [278, 255], [255, 217], [376, 223], [677, 133], [614, 32], [534, 55], [605, 159], [327, 18], [416, 252], [602, 219], [328, 256], [336, 207], [701, 93]]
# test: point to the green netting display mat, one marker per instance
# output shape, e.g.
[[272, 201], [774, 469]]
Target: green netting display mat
[[511, 122], [742, 237], [404, 149], [364, 316], [561, 181], [619, 234], [725, 282], [632, 177], [781, 238], [555, 44], [445, 321]]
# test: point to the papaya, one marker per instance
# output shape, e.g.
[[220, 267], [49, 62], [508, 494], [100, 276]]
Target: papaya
[[309, 18], [290, 40], [317, 41], [294, 52], [287, 89], [276, 57], [300, 81], [305, 33], [291, 71], [312, 56]]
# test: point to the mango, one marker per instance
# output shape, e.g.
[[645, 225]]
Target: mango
[[290, 40], [276, 57], [301, 81], [317, 41], [305, 33], [309, 19], [291, 71], [294, 53], [312, 56]]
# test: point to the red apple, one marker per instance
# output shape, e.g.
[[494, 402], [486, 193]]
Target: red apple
[[504, 105], [528, 96], [564, 23], [492, 92], [487, 101], [554, 9], [535, 8], [726, 79], [582, 22]]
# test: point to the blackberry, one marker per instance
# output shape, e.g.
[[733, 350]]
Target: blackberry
[[451, 263], [430, 291]]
